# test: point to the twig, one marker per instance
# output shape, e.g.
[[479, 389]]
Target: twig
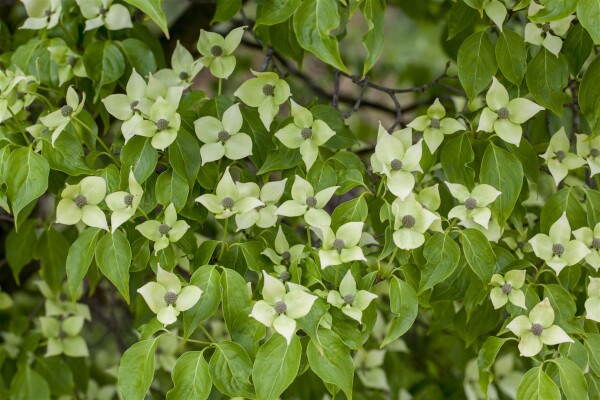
[[335, 99]]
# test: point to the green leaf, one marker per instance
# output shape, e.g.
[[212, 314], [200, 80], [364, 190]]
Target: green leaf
[[572, 381], [554, 10], [321, 176], [28, 384], [546, 77], [230, 368], [191, 379], [19, 245], [113, 255], [226, 9], [459, 19], [139, 155], [589, 95], [577, 48], [588, 14], [276, 366], [104, 64], [479, 254], [138, 56], [334, 363], [476, 4], [486, 358], [564, 200], [355, 210], [528, 158], [592, 345], [172, 188], [183, 156], [512, 56], [537, 385], [52, 251], [57, 373], [313, 22], [207, 279], [136, 369], [26, 174], [374, 13], [592, 203], [235, 295], [273, 12], [561, 301], [284, 40], [476, 64], [442, 254], [153, 10], [280, 159], [405, 307], [455, 156], [79, 258]]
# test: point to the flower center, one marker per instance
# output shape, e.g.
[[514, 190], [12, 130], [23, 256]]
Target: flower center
[[558, 249], [396, 164], [162, 124], [71, 61], [408, 221], [133, 104], [285, 276], [223, 136], [102, 11], [560, 155], [216, 51], [594, 152], [170, 298], [163, 229], [285, 255], [506, 288], [20, 95], [128, 199], [280, 307], [537, 329], [311, 201], [268, 90], [80, 201], [596, 243], [48, 12], [306, 133], [339, 244], [349, 299], [227, 203], [184, 76], [435, 123], [66, 110], [546, 27], [503, 113], [520, 245], [470, 203]]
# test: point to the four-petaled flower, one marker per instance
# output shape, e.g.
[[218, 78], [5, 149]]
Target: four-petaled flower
[[64, 336], [80, 203], [592, 304], [591, 239], [163, 233], [474, 204], [217, 51], [41, 13], [183, 68], [283, 255], [162, 126], [559, 158], [308, 203], [59, 119], [341, 246], [351, 301], [264, 216], [103, 13], [434, 126], [508, 288], [589, 149], [369, 368], [411, 220], [124, 204], [547, 34]]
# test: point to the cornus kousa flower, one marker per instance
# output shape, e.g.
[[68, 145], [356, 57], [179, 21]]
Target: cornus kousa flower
[[589, 150], [411, 220], [341, 246], [351, 301], [69, 63], [217, 51], [283, 255], [396, 157], [64, 336], [183, 68], [505, 116], [167, 298], [9, 83], [80, 203], [59, 119], [165, 232], [103, 13], [267, 92], [228, 200], [559, 158], [591, 239], [430, 199], [537, 330], [369, 368], [223, 138], [124, 204], [434, 126], [474, 204], [308, 203], [263, 216], [592, 304], [163, 125], [305, 133], [279, 309], [548, 34], [42, 13], [557, 249], [508, 288]]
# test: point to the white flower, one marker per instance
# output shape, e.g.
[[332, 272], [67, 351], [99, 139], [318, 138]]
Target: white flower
[[80, 203], [508, 288], [351, 301], [42, 13], [283, 254], [264, 216], [548, 34], [369, 368], [411, 221], [591, 239], [124, 204], [474, 204], [103, 13], [559, 158], [217, 51], [163, 233], [183, 68], [434, 126], [589, 149], [64, 336], [342, 246], [308, 203], [592, 304], [59, 119]]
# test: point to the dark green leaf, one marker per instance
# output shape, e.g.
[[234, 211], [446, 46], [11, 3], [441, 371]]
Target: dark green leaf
[[546, 77], [476, 64], [113, 255], [276, 366]]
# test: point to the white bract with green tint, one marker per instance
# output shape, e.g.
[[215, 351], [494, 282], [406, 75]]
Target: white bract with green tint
[[559, 158], [434, 125], [167, 298], [228, 200], [591, 239], [411, 221], [557, 248], [588, 148], [592, 304], [264, 216], [537, 329], [183, 68], [370, 370], [279, 309], [223, 138], [217, 51], [305, 133], [104, 13], [342, 246], [124, 204], [80, 203], [63, 337], [283, 254], [397, 158], [505, 116], [266, 92], [308, 203], [508, 288], [68, 62], [474, 204], [349, 299], [547, 34], [162, 125], [165, 232], [58, 120], [41, 14]]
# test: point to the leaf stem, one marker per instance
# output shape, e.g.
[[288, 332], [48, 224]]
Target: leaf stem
[[208, 335], [225, 229], [220, 87], [104, 146]]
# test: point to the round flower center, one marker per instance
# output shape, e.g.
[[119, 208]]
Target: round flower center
[[170, 298], [128, 199], [80, 200], [596, 243], [546, 27], [349, 299], [285, 255], [503, 113], [506, 288], [102, 11], [184, 76], [162, 124], [71, 61], [520, 245], [216, 51], [227, 203], [311, 201], [560, 155], [133, 104], [339, 244], [20, 95], [285, 276], [435, 123], [268, 90], [558, 249], [66, 110], [470, 203], [396, 164], [280, 307], [408, 221], [164, 229], [48, 12], [306, 133], [223, 136], [594, 152], [537, 329]]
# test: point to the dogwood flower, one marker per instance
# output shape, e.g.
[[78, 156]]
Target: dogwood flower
[[80, 203], [42, 13], [430, 199], [591, 239], [163, 233], [411, 220], [505, 116], [167, 298], [11, 84], [262, 216], [369, 368], [351, 301], [162, 126], [548, 34], [559, 158], [183, 68], [537, 330], [124, 204], [434, 126], [474, 204], [103, 13], [59, 119], [64, 336], [217, 52], [283, 254], [68, 62], [308, 203], [558, 250], [266, 92], [341, 246], [508, 288], [305, 133], [589, 150], [396, 157], [592, 304], [223, 138], [279, 309]]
